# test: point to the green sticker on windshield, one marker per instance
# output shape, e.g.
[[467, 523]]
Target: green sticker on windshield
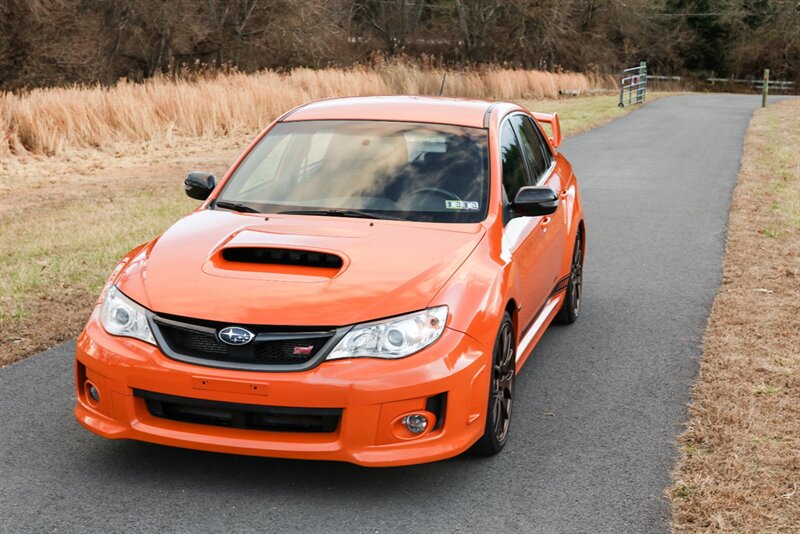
[[461, 205]]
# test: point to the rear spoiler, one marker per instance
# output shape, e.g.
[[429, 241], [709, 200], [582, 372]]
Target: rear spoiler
[[555, 126]]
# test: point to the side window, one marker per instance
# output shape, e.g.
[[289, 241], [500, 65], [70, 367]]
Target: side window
[[534, 145], [514, 176], [548, 156]]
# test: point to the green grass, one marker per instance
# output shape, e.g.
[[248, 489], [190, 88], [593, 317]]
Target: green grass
[[767, 390], [74, 246], [580, 114], [684, 492]]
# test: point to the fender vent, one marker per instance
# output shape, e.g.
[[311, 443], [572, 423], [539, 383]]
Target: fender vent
[[282, 256]]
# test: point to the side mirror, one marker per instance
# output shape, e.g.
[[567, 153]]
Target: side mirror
[[534, 201], [199, 185]]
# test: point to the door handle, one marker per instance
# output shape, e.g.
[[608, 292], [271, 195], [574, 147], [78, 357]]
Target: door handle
[[543, 224]]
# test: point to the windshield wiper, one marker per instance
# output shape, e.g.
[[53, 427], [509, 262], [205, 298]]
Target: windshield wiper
[[235, 206], [338, 213]]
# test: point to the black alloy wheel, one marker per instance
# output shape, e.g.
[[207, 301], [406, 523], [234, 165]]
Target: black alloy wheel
[[501, 392], [572, 302]]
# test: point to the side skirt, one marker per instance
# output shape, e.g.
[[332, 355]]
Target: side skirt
[[536, 328]]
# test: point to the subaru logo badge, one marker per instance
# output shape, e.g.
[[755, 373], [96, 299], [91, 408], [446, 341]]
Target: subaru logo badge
[[235, 335]]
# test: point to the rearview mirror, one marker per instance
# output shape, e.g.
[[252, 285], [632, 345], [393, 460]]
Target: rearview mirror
[[199, 185], [534, 201]]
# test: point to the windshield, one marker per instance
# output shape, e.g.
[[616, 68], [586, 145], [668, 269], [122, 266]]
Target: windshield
[[393, 170]]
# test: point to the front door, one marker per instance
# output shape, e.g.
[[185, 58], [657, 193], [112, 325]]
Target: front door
[[523, 236], [552, 229]]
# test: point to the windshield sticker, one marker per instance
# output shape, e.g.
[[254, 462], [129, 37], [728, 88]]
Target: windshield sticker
[[461, 205]]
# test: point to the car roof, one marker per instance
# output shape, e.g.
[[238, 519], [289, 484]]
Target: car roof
[[437, 110]]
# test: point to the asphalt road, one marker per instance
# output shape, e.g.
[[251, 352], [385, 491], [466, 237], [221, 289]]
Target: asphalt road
[[597, 411]]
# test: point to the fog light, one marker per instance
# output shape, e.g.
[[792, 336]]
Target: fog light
[[416, 423], [91, 389]]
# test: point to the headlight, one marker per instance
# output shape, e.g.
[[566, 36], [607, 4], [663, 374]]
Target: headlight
[[121, 316], [393, 338]]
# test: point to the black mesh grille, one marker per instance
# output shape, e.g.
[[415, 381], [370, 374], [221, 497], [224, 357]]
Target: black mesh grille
[[282, 256], [269, 348], [247, 416], [193, 342]]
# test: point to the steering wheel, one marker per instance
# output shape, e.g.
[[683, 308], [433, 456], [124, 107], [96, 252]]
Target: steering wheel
[[447, 195]]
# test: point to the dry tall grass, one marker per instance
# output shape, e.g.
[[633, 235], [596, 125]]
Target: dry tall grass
[[50, 121]]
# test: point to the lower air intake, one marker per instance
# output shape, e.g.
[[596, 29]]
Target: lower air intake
[[244, 416]]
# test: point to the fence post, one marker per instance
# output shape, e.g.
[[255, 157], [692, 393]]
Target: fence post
[[622, 92], [765, 89], [642, 81]]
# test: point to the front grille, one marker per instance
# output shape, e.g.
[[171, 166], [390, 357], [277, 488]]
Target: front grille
[[274, 348], [245, 416], [193, 342]]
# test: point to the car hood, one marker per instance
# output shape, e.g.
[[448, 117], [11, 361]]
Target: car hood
[[387, 268]]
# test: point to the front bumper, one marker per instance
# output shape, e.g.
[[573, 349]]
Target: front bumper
[[371, 393]]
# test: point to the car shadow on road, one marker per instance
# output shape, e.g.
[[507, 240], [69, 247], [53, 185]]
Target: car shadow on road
[[143, 463]]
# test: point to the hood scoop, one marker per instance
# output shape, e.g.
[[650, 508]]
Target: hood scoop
[[282, 256], [280, 264]]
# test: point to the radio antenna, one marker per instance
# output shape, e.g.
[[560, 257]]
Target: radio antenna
[[441, 89]]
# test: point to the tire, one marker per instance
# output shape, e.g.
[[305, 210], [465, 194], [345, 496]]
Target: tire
[[501, 392], [571, 307]]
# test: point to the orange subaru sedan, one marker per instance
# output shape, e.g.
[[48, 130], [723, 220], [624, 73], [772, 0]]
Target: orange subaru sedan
[[363, 285]]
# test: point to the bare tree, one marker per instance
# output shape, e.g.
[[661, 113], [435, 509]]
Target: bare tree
[[45, 42]]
